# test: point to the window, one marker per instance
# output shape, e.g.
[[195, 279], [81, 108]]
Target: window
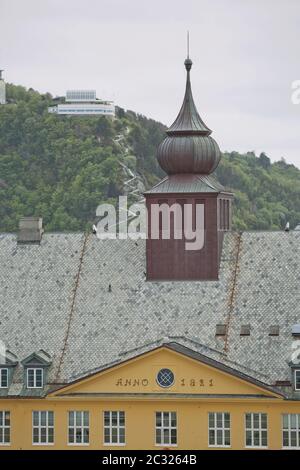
[[165, 378], [35, 378], [166, 428], [42, 427], [79, 427], [3, 378], [291, 430], [219, 429], [4, 427], [256, 430], [114, 427], [297, 379]]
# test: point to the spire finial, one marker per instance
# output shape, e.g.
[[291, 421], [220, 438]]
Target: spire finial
[[188, 63]]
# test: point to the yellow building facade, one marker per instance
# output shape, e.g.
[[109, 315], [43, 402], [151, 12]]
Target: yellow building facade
[[126, 343], [204, 400]]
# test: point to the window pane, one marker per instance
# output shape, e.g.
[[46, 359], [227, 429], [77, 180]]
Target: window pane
[[3, 377], [39, 377], [256, 421], [158, 419], [114, 417], [78, 435], [285, 438], [219, 437], [248, 420], [248, 438], [6, 436], [78, 418], [106, 418], [50, 435], [211, 437], [285, 421], [211, 419], [71, 418], [219, 420], [122, 435], [86, 435], [173, 436], [293, 421], [293, 438], [7, 418], [166, 419], [43, 435], [30, 378], [35, 418], [50, 418], [158, 436], [122, 418], [35, 435], [43, 418], [264, 440], [264, 421], [173, 419], [256, 438], [71, 435], [227, 438], [106, 435], [86, 418], [114, 434], [297, 379], [166, 436]]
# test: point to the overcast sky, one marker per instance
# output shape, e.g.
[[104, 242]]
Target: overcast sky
[[246, 54]]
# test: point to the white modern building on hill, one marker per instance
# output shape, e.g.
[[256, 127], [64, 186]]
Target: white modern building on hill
[[2, 89], [83, 103]]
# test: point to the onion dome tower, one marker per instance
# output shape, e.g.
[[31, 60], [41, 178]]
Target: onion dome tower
[[188, 147], [189, 156]]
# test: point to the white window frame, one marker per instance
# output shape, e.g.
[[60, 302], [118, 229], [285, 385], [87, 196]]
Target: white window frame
[[296, 371], [5, 426], [163, 427], [79, 427], [34, 369], [252, 429], [1, 378], [39, 426], [217, 429], [110, 427], [289, 430]]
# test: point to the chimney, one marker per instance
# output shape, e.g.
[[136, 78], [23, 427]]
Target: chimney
[[30, 230]]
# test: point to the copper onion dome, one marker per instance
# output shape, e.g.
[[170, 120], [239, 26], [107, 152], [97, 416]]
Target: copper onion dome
[[188, 147]]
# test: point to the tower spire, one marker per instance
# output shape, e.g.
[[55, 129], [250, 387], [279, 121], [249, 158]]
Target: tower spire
[[188, 45], [188, 120], [188, 147]]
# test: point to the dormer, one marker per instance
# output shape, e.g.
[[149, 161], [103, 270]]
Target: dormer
[[7, 363], [35, 369]]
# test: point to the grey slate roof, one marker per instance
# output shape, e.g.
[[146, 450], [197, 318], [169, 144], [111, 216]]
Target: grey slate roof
[[55, 297]]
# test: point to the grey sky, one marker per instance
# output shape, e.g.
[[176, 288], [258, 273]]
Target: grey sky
[[245, 54]]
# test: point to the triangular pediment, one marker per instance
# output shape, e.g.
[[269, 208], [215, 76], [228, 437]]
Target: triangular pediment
[[40, 358], [194, 375]]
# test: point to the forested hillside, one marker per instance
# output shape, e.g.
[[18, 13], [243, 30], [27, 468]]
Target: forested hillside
[[61, 168]]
